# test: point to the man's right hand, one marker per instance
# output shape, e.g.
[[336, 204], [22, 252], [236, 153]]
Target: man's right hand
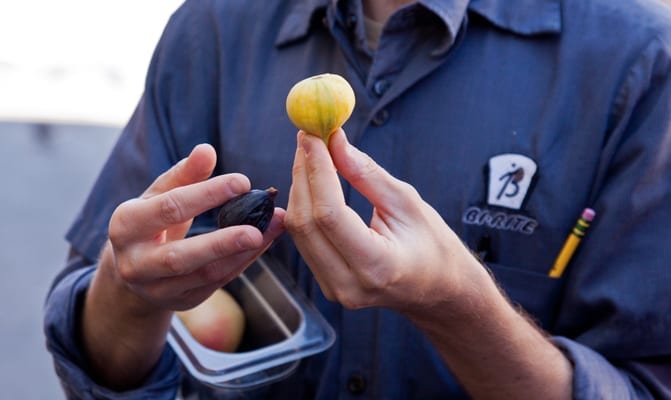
[[148, 269]]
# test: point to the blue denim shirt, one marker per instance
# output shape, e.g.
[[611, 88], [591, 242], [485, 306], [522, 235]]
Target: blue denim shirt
[[509, 117]]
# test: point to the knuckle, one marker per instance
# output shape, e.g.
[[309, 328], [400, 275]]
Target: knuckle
[[219, 248], [325, 216], [224, 248], [376, 273], [212, 195], [173, 263], [170, 212], [408, 194], [408, 190], [366, 169], [210, 273], [128, 273], [299, 223], [298, 169], [116, 232], [119, 224], [375, 279]]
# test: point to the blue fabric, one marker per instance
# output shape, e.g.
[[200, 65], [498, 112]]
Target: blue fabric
[[582, 89], [592, 370], [61, 319]]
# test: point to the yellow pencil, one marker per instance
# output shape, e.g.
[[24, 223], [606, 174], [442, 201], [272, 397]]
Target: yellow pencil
[[572, 243]]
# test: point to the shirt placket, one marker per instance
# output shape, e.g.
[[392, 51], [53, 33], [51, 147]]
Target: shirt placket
[[402, 59]]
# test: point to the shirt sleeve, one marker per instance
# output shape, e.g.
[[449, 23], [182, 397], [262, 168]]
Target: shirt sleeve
[[594, 377], [616, 306], [62, 316]]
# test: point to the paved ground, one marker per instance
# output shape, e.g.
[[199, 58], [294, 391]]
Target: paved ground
[[46, 174]]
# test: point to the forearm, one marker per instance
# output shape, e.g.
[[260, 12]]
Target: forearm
[[494, 350], [123, 337]]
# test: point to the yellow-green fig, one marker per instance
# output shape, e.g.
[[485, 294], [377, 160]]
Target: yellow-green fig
[[320, 104]]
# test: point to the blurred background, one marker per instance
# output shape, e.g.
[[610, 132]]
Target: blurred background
[[71, 72]]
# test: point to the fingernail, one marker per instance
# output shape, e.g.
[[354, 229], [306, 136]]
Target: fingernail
[[306, 144], [200, 146]]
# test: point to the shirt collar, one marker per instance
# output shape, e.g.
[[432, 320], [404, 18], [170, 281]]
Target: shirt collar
[[299, 20], [525, 17], [301, 17]]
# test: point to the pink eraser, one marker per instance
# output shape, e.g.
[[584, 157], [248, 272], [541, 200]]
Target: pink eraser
[[588, 214]]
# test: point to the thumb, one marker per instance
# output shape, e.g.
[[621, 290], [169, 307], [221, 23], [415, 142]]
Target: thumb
[[196, 167], [388, 194]]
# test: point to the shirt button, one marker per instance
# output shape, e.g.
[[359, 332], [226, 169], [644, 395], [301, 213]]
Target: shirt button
[[380, 117], [381, 86], [356, 384], [351, 21]]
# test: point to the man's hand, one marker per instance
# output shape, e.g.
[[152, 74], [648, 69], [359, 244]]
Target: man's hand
[[151, 255], [403, 260], [149, 269], [409, 260]]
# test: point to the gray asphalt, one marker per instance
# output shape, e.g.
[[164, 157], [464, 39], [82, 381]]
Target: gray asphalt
[[46, 174]]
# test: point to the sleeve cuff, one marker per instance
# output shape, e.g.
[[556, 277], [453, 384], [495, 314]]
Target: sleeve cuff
[[594, 377], [62, 311]]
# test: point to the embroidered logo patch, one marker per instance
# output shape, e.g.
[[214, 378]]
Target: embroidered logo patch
[[509, 180], [510, 177]]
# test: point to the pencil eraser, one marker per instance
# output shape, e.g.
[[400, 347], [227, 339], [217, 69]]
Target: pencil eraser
[[588, 214]]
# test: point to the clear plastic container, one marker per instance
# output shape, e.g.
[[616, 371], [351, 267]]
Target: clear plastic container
[[282, 327]]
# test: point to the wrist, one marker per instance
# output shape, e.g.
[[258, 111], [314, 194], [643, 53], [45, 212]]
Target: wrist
[[462, 292], [122, 334]]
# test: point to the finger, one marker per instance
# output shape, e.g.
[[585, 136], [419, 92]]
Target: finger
[[183, 257], [143, 219], [321, 173], [276, 226], [300, 204], [228, 247], [388, 194], [215, 274], [197, 167], [342, 227], [326, 264]]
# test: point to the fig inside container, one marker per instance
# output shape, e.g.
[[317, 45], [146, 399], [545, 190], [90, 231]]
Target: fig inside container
[[282, 327]]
